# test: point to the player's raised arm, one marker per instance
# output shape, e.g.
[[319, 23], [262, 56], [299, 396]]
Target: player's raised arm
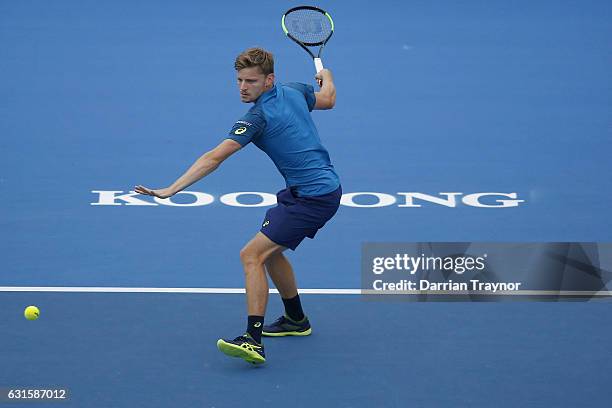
[[326, 97], [206, 164]]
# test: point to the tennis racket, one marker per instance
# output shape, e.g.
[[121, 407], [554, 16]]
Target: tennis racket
[[309, 26]]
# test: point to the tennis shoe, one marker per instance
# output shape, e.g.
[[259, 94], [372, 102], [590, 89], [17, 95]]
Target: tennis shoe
[[284, 326], [244, 347]]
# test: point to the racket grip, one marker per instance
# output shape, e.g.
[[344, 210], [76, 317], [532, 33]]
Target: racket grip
[[318, 64]]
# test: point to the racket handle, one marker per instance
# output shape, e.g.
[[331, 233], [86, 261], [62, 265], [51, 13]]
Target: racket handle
[[318, 64]]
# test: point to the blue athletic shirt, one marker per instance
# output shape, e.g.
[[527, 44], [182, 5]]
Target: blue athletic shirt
[[280, 124]]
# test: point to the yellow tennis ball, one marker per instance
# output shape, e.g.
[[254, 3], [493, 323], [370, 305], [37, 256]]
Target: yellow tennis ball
[[31, 313]]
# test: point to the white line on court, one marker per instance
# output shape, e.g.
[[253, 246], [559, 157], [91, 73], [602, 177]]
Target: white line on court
[[88, 289]]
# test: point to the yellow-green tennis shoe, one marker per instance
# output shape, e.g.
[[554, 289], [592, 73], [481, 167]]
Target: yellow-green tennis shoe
[[244, 347]]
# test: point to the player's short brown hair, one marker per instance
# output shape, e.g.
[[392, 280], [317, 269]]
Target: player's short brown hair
[[255, 57]]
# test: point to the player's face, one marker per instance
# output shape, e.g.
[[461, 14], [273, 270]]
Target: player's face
[[252, 83]]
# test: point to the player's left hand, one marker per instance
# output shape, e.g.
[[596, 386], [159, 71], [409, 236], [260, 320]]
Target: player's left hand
[[161, 193]]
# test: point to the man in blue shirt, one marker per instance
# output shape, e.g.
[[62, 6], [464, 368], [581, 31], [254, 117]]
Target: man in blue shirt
[[279, 123]]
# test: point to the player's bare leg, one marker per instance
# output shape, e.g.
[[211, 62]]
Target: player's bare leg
[[253, 257]]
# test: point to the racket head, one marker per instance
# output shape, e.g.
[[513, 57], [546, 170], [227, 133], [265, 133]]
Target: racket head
[[308, 25]]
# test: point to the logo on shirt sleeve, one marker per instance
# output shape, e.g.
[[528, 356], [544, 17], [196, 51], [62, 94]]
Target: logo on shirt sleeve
[[240, 130]]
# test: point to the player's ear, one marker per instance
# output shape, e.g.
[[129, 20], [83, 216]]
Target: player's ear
[[270, 79]]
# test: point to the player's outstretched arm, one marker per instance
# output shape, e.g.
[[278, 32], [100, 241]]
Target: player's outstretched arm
[[206, 164], [326, 97]]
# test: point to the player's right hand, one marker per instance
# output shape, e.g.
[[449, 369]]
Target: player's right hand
[[323, 75], [161, 193]]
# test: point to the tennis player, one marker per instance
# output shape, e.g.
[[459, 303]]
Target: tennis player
[[279, 123]]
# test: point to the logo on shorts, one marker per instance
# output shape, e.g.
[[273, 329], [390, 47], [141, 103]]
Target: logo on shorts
[[240, 130], [265, 224]]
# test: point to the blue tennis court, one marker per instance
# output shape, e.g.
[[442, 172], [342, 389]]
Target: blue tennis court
[[504, 106]]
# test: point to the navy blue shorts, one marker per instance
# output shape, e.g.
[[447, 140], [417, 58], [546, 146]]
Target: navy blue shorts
[[295, 218]]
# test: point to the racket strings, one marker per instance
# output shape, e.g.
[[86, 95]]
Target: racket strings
[[308, 26]]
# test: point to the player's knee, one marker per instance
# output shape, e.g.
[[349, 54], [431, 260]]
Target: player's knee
[[250, 257]]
